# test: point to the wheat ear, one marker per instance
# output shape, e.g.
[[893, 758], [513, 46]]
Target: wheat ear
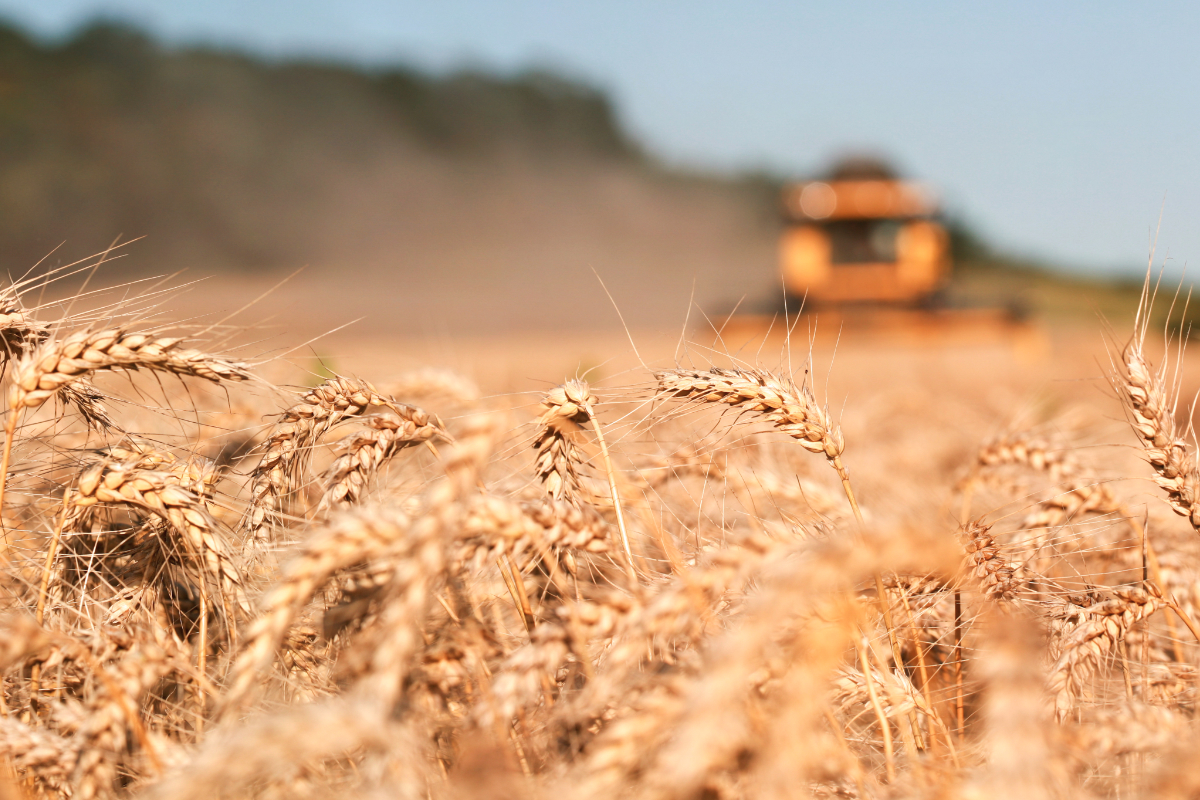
[[494, 527], [19, 334], [288, 449], [557, 458], [792, 410], [986, 563], [365, 452], [162, 493], [423, 562], [1105, 625], [1153, 420], [347, 539], [60, 363], [1080, 494]]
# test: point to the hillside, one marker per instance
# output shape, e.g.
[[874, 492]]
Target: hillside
[[447, 190]]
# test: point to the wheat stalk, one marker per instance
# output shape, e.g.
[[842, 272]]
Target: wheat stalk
[[573, 403]]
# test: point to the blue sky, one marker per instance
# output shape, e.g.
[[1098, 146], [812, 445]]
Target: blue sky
[[1061, 130]]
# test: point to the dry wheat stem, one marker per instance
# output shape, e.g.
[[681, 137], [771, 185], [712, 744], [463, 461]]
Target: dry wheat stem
[[926, 694], [51, 554], [616, 496], [885, 727], [1156, 575]]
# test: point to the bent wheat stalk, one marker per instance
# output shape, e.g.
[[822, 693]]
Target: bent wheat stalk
[[365, 452], [287, 451]]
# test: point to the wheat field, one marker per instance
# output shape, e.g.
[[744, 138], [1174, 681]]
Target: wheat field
[[725, 575]]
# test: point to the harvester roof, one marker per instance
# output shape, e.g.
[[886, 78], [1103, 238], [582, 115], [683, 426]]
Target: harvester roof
[[860, 187], [857, 199]]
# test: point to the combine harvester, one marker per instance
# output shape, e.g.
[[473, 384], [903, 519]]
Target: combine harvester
[[864, 255]]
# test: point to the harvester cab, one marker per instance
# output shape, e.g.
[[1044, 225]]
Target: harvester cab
[[862, 236]]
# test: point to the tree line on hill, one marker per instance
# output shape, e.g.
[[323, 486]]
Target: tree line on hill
[[225, 156]]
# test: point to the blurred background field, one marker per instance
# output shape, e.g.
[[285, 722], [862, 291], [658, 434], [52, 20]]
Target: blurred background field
[[465, 202], [394, 213]]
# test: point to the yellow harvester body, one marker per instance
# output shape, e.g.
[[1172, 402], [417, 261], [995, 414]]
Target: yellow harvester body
[[866, 252], [862, 241]]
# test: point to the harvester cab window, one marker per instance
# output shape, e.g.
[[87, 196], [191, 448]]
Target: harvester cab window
[[862, 241]]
